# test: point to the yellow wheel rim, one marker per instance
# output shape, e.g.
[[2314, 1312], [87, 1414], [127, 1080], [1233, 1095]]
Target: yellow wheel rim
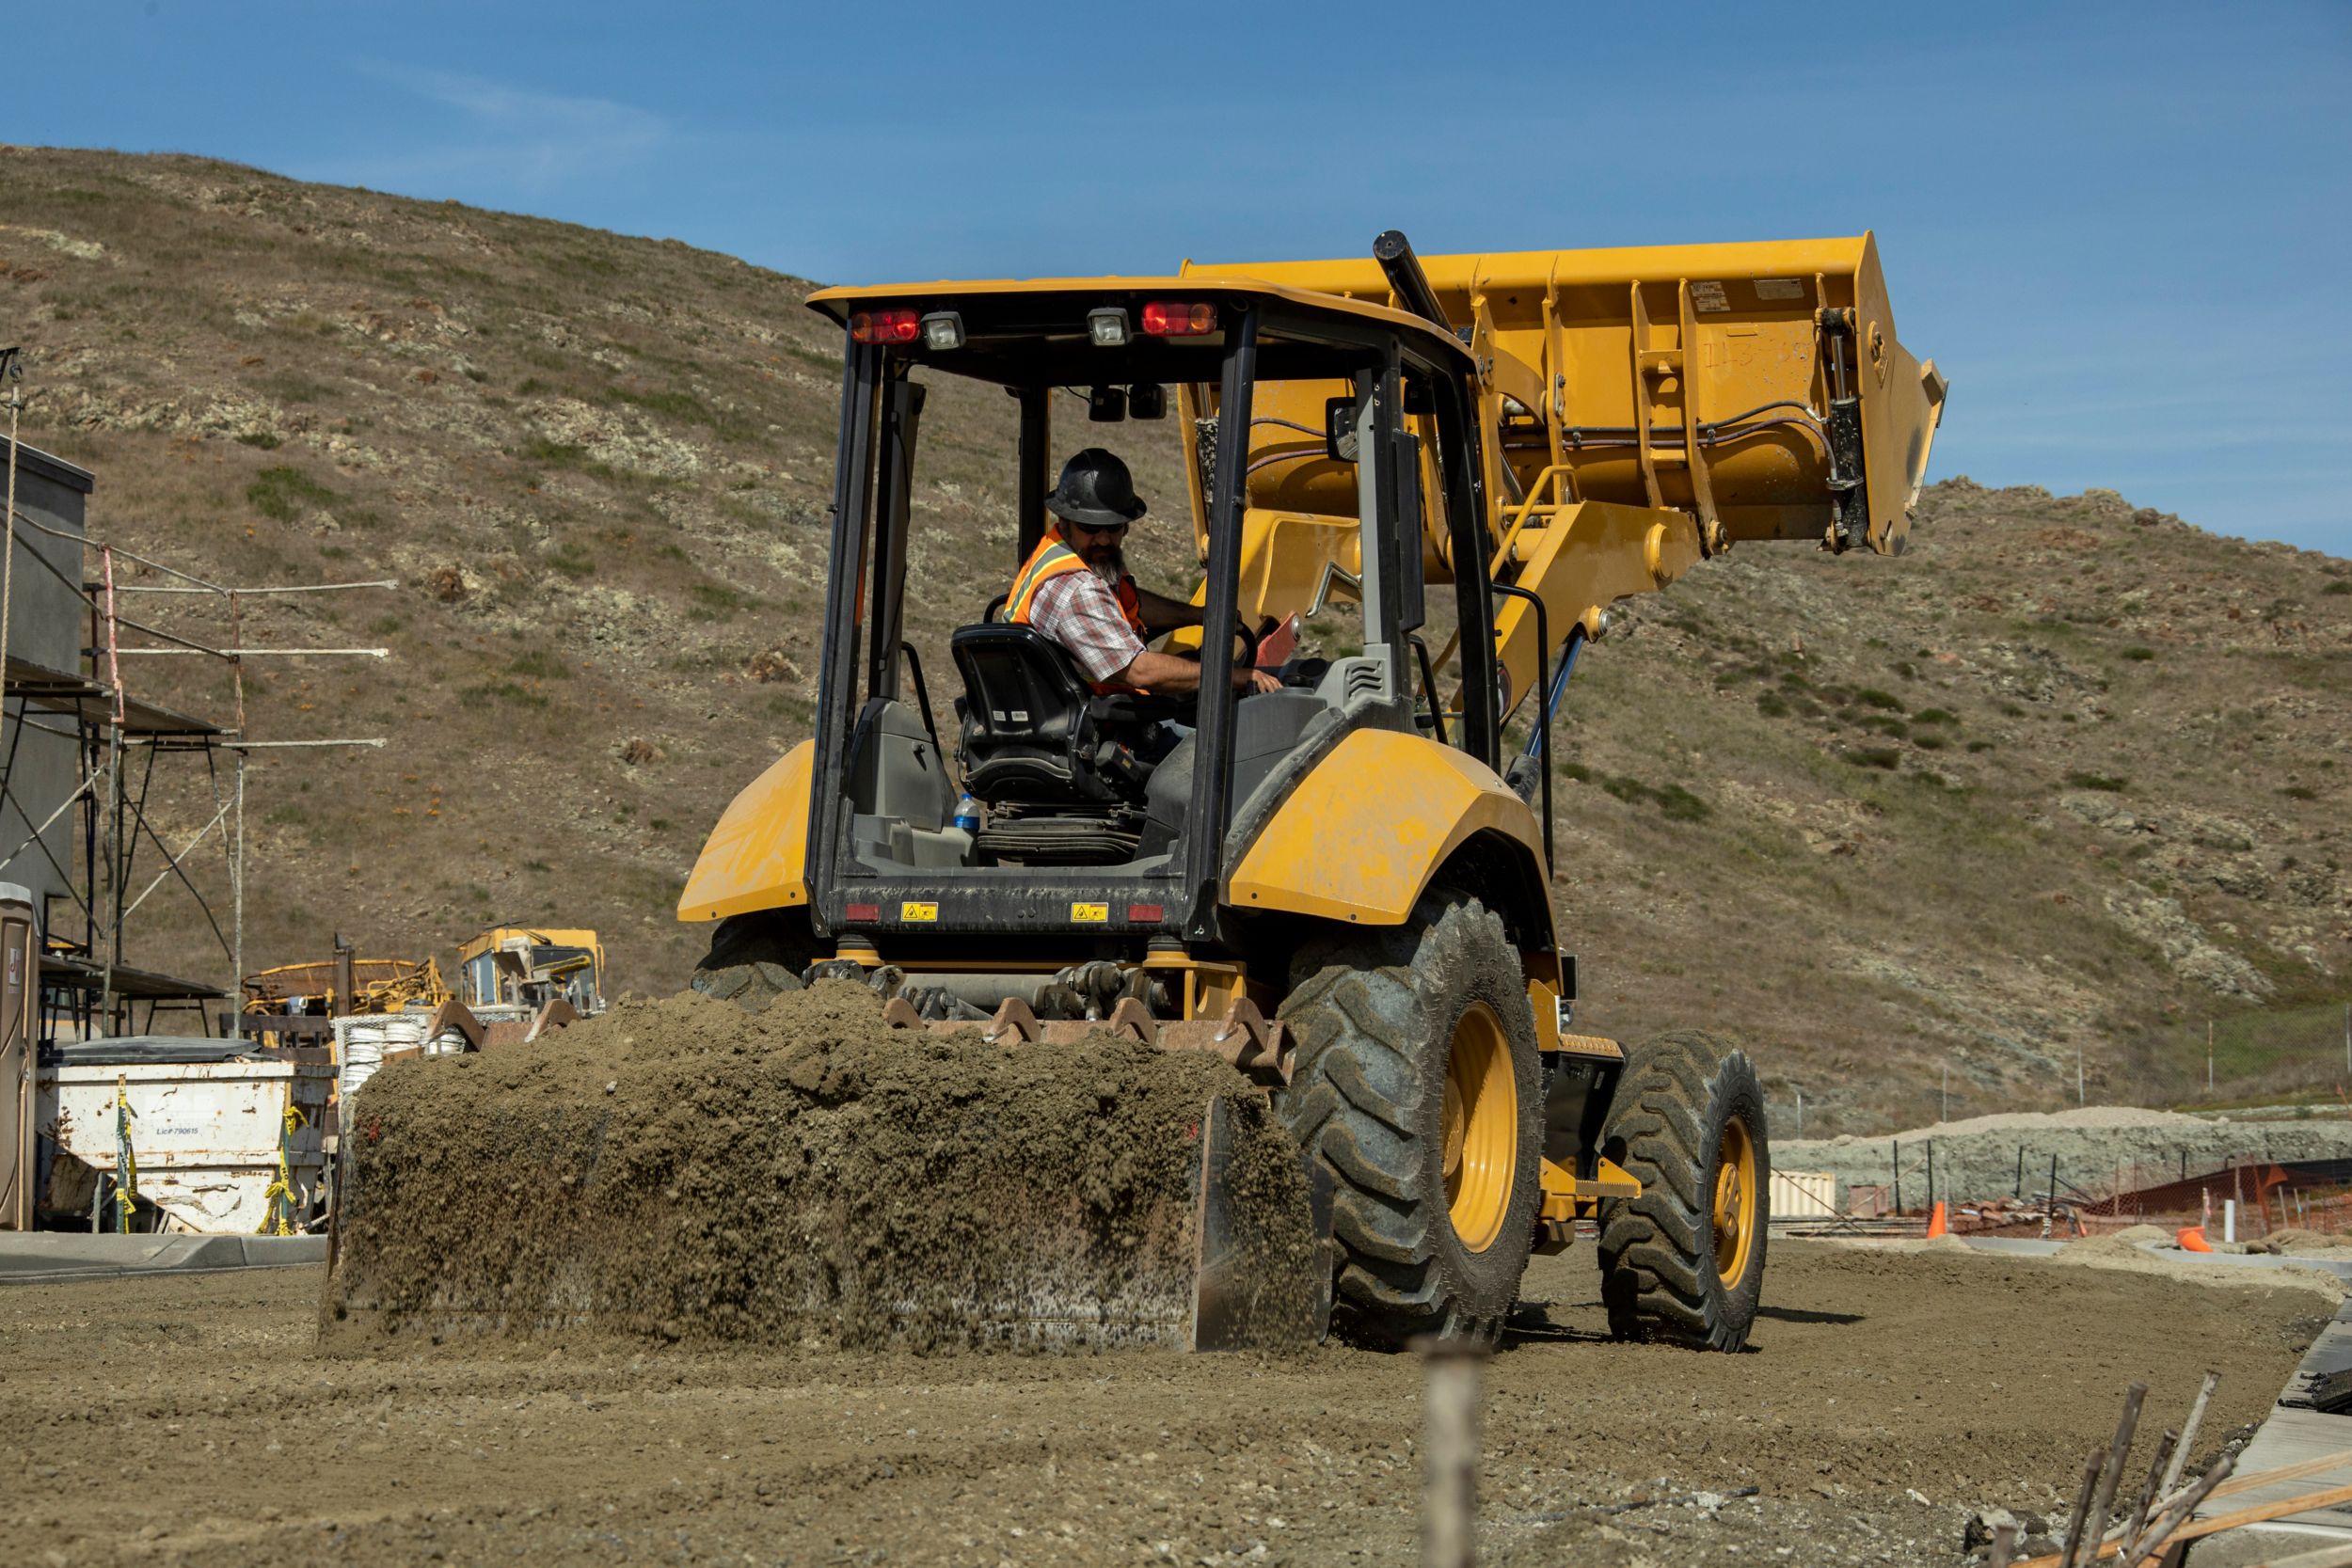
[[1736, 1202], [1481, 1128]]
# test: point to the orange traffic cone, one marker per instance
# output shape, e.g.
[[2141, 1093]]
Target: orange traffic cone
[[1935, 1221], [2192, 1239]]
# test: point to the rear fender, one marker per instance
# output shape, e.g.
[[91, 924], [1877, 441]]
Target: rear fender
[[1371, 826], [756, 858]]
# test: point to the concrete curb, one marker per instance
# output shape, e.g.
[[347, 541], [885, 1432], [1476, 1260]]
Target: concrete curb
[[2290, 1435], [51, 1257]]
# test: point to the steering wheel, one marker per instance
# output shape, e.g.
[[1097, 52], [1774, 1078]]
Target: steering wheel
[[1249, 660]]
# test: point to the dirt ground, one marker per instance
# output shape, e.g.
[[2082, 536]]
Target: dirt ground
[[1885, 1396]]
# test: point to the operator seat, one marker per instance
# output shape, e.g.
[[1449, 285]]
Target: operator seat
[[1049, 757]]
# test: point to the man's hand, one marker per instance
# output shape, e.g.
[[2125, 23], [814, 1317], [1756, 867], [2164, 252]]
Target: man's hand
[[1172, 675]]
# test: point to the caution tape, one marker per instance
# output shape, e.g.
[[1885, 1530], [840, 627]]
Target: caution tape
[[279, 1221], [126, 1166]]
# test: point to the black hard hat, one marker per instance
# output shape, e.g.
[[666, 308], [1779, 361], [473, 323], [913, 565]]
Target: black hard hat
[[1096, 491]]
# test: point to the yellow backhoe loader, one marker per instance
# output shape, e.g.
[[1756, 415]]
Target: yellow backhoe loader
[[1341, 885]]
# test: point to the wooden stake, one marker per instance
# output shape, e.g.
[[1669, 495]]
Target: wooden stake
[[2104, 1504], [2189, 1434], [2159, 1535], [2148, 1494], [2070, 1553]]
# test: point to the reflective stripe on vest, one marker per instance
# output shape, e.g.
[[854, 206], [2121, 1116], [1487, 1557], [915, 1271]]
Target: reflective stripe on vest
[[1052, 559]]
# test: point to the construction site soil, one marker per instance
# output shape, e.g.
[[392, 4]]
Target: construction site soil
[[1887, 1394], [808, 1175]]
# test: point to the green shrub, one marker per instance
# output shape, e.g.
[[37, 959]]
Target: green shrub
[[500, 692], [1674, 802], [2105, 782], [261, 438], [284, 493], [2299, 792], [2341, 585], [2138, 654], [1976, 746], [714, 601], [571, 560], [1936, 716], [539, 665], [1928, 740], [1772, 705], [1578, 771], [1679, 805], [1875, 757], [1876, 698]]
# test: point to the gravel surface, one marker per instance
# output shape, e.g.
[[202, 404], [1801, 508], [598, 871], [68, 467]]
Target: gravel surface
[[2095, 1146], [1888, 1394]]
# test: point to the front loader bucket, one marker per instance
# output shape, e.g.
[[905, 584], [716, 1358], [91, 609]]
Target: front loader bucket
[[685, 1170]]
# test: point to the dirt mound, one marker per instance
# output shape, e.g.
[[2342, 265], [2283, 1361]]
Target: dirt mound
[[2118, 1252], [684, 1169], [2092, 1117], [2143, 1233], [2295, 1241]]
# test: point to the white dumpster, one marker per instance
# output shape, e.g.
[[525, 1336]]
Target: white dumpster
[[205, 1126]]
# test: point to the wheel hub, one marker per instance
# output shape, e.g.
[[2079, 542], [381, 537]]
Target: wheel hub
[[1481, 1128], [1736, 1202]]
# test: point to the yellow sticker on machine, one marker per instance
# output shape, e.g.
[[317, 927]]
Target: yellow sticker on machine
[[1091, 914], [913, 911]]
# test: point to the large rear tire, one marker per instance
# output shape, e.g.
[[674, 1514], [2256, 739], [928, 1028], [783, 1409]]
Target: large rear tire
[[1684, 1263], [1416, 1085], [757, 958]]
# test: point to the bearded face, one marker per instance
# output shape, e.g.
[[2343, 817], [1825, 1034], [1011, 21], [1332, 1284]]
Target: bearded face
[[1101, 552]]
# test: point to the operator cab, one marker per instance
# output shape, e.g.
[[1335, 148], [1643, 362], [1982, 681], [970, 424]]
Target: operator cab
[[1105, 808]]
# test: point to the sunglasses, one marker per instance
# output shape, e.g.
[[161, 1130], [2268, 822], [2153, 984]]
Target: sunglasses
[[1104, 528]]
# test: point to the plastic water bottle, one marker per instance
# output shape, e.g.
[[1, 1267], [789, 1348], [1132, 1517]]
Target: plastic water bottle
[[968, 815]]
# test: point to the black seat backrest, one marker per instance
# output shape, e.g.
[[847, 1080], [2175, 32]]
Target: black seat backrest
[[1027, 732]]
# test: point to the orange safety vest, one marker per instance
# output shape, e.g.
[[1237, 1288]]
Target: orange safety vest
[[1052, 559]]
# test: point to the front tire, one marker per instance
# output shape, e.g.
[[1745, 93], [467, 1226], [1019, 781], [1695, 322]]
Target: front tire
[[1416, 1085], [1684, 1263], [757, 958]]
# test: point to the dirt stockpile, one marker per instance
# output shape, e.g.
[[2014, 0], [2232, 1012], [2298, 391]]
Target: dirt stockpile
[[1978, 1158], [194, 1421], [685, 1170]]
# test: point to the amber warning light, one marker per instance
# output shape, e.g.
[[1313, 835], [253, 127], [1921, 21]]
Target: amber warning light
[[1164, 318], [884, 327]]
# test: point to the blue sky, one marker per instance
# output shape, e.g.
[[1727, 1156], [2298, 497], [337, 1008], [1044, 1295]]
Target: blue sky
[[2123, 231]]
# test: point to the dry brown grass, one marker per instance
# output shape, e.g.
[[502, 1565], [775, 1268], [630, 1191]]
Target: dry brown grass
[[1825, 805]]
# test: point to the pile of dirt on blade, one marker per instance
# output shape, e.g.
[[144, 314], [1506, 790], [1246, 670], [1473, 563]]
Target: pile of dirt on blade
[[686, 1169]]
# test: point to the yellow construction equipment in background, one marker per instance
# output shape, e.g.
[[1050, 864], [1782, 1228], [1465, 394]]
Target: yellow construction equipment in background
[[530, 966]]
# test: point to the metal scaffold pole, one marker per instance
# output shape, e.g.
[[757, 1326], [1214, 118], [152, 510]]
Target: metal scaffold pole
[[111, 730]]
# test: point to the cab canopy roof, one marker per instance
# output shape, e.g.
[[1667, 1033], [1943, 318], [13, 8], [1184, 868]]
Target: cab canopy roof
[[1035, 330]]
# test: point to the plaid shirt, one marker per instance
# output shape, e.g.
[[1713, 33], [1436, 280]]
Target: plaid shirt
[[1077, 610]]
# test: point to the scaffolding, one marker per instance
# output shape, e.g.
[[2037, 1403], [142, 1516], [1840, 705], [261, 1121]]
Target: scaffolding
[[119, 737]]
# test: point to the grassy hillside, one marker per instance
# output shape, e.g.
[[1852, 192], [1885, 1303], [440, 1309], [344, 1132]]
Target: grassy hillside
[[2066, 777]]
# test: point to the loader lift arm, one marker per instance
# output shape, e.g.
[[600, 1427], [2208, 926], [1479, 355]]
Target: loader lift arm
[[1636, 411]]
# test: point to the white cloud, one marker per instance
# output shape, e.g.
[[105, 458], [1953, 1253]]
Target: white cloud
[[525, 140]]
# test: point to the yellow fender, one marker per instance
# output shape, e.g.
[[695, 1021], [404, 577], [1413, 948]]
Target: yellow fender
[[756, 856], [1362, 835]]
